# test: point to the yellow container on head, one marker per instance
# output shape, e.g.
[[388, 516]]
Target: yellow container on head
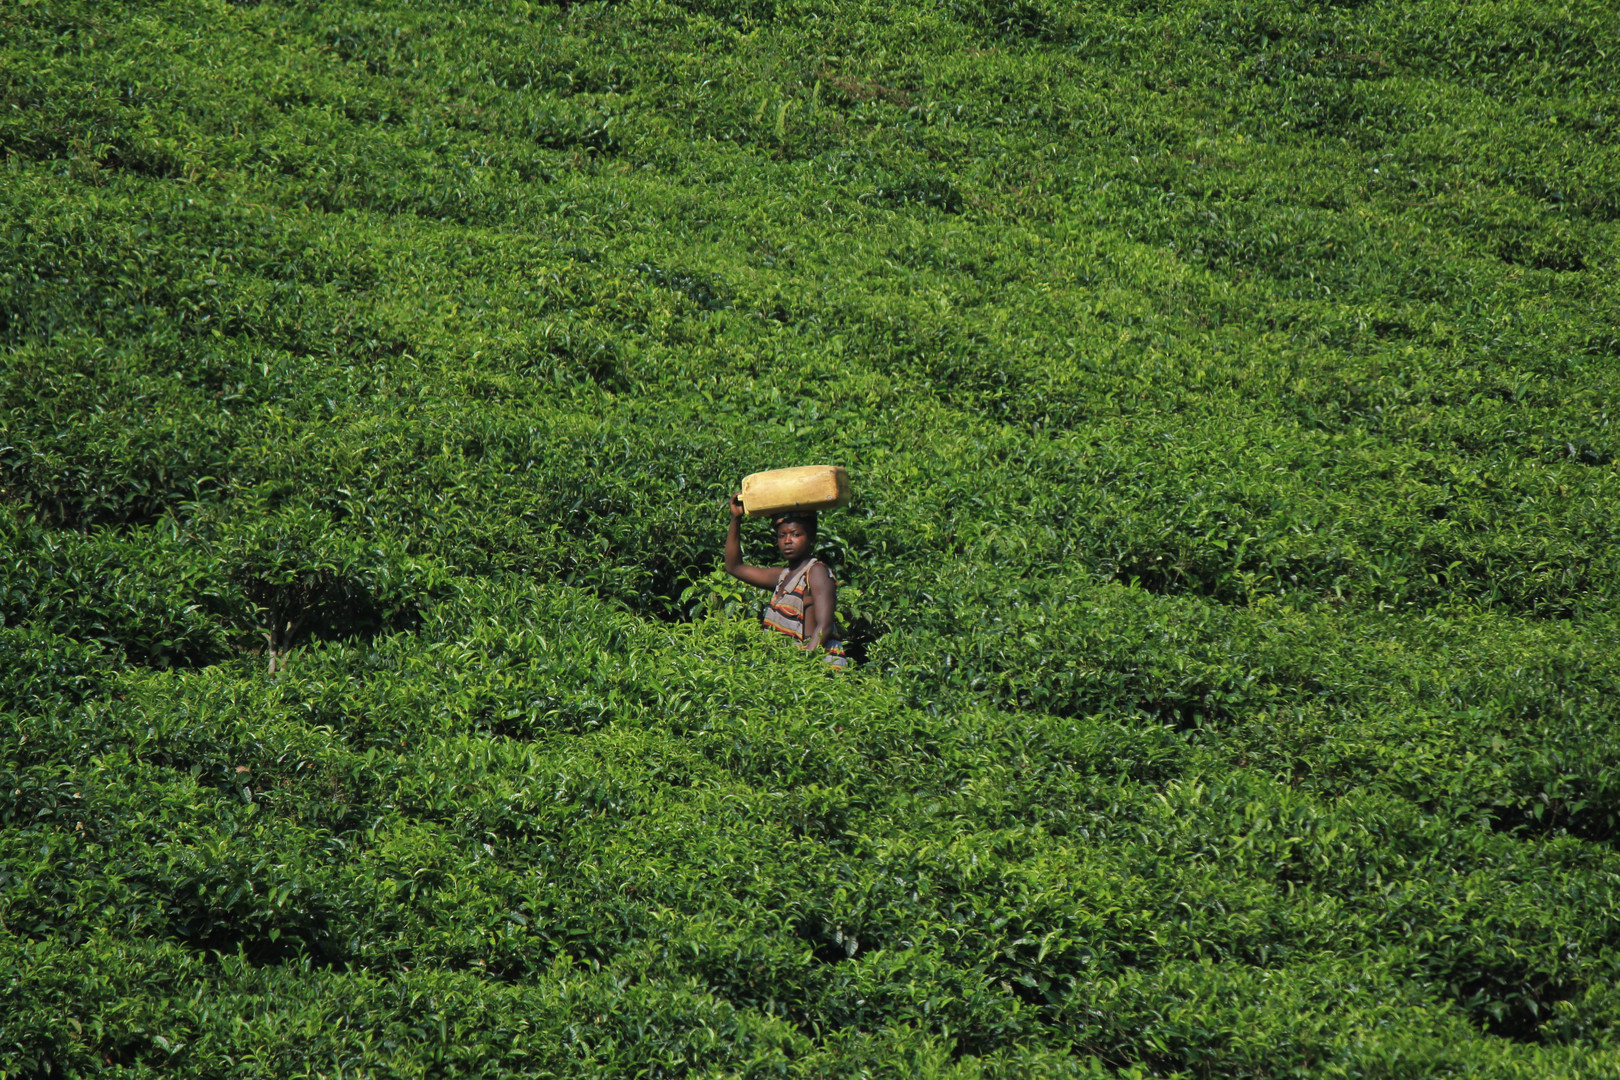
[[813, 487]]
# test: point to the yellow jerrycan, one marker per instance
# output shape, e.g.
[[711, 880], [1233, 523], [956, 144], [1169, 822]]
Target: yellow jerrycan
[[813, 487]]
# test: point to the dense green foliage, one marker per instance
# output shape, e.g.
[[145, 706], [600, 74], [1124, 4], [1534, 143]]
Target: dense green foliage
[[1234, 561]]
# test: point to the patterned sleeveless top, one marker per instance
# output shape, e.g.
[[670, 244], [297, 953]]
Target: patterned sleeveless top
[[789, 603]]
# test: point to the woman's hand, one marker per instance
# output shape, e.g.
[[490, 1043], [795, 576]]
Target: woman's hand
[[737, 510]]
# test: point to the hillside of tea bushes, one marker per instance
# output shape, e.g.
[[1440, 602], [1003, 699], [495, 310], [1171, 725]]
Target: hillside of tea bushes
[[1234, 565]]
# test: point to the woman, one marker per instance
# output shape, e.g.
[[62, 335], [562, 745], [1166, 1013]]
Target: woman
[[804, 597]]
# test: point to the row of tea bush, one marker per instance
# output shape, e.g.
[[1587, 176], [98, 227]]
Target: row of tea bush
[[1232, 568]]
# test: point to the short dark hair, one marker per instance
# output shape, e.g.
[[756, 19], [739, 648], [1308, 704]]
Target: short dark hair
[[806, 518]]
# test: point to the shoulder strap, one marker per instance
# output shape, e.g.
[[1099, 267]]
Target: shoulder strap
[[787, 584]]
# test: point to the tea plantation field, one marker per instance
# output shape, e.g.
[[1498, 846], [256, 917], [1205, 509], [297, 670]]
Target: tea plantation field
[[1234, 566]]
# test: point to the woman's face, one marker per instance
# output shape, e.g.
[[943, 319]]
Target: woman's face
[[792, 541]]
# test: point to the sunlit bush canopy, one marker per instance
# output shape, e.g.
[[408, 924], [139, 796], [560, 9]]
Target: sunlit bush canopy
[[1233, 564]]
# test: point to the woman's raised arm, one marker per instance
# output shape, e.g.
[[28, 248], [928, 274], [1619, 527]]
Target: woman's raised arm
[[762, 576]]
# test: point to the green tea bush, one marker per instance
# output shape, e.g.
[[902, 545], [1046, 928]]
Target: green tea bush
[[43, 669], [146, 596], [1231, 565]]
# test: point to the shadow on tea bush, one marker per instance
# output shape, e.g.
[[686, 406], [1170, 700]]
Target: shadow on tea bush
[[304, 576]]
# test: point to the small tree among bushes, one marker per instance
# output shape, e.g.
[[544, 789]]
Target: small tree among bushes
[[303, 577]]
